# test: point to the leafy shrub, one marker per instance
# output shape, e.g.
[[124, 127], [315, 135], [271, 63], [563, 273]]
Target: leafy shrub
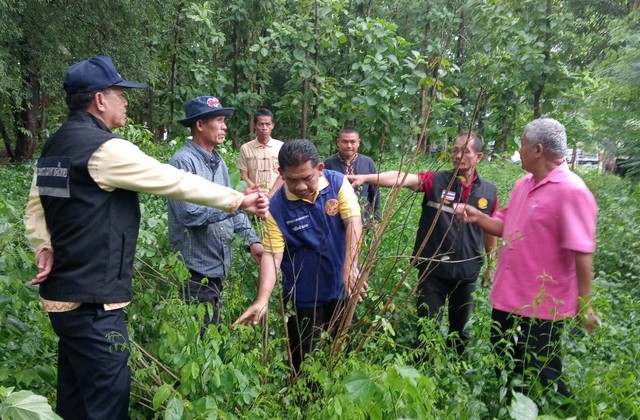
[[243, 372]]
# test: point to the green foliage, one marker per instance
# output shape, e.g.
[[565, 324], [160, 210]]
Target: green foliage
[[27, 344], [24, 405], [389, 373]]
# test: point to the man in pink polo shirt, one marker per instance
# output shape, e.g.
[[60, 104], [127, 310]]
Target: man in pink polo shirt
[[545, 264]]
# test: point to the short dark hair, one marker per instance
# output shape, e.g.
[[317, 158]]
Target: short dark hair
[[478, 143], [264, 112], [79, 101], [348, 130], [297, 152]]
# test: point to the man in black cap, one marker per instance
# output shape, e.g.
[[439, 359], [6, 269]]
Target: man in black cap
[[203, 235], [82, 221]]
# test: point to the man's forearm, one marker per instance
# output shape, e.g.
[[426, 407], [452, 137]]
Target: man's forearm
[[245, 177], [269, 269], [490, 225], [36, 230], [584, 272], [353, 233]]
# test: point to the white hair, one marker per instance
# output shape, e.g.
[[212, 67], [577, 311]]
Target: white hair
[[548, 132]]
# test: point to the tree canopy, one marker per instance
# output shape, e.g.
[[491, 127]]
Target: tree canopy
[[388, 68]]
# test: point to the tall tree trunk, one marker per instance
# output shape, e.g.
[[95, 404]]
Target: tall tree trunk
[[305, 107], [174, 59], [314, 105], [504, 135], [27, 120], [157, 137], [424, 91], [7, 141], [537, 94], [460, 48], [236, 76]]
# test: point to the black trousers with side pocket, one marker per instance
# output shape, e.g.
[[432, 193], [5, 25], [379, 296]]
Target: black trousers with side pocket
[[537, 350], [94, 379]]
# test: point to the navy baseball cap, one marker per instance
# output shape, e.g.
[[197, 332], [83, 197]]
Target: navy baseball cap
[[95, 74], [204, 107]]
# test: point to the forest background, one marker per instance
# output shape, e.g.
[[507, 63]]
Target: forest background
[[408, 75]]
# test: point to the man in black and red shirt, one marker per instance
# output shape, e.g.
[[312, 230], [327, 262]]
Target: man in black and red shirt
[[449, 260]]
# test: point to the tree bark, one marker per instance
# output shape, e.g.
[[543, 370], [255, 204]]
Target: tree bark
[[7, 141], [537, 94], [305, 107], [27, 120], [236, 76], [424, 97], [314, 105]]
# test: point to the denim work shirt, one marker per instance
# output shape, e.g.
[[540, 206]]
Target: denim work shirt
[[203, 235]]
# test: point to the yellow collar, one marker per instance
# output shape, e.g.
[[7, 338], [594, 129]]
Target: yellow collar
[[322, 184]]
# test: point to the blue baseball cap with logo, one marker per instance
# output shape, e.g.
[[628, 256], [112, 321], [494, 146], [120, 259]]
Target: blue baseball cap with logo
[[204, 107], [95, 74]]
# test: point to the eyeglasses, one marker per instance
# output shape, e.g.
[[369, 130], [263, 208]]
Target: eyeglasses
[[118, 93]]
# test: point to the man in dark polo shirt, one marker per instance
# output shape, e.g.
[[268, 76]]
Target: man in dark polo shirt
[[349, 162], [451, 258]]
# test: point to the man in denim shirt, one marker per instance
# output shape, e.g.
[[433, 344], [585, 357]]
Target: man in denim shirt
[[203, 235]]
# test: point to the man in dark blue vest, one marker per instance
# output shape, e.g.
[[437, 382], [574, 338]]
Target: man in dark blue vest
[[313, 234], [82, 221], [449, 260]]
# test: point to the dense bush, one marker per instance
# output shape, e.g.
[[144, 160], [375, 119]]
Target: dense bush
[[243, 372]]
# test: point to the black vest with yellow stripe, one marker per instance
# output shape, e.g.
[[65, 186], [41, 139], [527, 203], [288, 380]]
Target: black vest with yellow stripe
[[454, 250]]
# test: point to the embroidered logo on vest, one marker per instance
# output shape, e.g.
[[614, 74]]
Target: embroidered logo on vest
[[482, 203], [331, 207]]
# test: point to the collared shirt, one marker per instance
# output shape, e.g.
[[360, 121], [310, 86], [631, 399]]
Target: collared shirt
[[440, 237], [348, 206], [202, 234], [426, 181], [121, 164], [260, 160], [359, 165], [545, 224]]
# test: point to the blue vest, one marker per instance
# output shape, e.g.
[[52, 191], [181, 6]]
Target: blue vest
[[314, 245], [93, 231]]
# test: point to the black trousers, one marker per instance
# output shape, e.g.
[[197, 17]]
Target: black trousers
[[94, 379], [536, 352], [434, 292], [195, 291], [306, 326]]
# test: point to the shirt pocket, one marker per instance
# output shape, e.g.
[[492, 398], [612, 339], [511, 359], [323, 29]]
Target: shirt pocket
[[252, 163]]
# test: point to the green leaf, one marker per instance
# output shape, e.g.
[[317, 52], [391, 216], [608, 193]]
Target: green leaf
[[523, 407], [161, 395], [174, 410], [195, 370], [25, 405], [371, 101], [299, 55], [359, 386]]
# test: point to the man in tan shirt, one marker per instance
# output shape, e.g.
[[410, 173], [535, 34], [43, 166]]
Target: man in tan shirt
[[258, 159], [82, 220]]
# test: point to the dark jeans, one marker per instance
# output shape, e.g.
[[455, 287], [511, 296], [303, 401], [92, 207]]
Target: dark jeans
[[433, 292], [196, 291], [306, 326], [536, 352], [94, 379]]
